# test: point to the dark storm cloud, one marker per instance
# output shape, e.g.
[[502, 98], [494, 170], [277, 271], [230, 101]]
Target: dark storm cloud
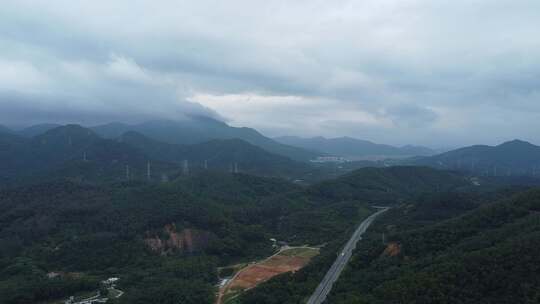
[[22, 110], [398, 71]]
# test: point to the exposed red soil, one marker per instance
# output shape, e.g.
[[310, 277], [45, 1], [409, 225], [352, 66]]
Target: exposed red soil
[[256, 274], [392, 249]]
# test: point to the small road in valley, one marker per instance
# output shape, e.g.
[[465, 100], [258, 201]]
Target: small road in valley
[[333, 273]]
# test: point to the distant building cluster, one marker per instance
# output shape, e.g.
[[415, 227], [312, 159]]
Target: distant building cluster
[[110, 282], [329, 159]]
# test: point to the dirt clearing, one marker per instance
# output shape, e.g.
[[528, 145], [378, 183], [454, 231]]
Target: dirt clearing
[[287, 260]]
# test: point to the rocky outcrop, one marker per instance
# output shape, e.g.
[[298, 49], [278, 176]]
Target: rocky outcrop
[[392, 249], [185, 241]]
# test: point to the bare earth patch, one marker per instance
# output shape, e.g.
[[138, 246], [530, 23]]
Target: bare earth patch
[[288, 260], [392, 249], [256, 274]]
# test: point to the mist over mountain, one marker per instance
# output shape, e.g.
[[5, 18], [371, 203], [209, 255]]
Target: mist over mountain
[[5, 130], [147, 156], [76, 152], [35, 130], [354, 148], [186, 130]]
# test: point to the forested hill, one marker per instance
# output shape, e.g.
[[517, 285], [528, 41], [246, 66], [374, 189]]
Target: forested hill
[[165, 240], [464, 246], [513, 158], [388, 185], [223, 155], [188, 130], [199, 129], [71, 152], [89, 232], [488, 255], [352, 147], [76, 152]]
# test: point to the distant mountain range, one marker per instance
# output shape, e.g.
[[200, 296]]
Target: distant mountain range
[[388, 185], [208, 142], [199, 129], [189, 130], [68, 152], [353, 148], [73, 151], [511, 158], [221, 154], [37, 129]]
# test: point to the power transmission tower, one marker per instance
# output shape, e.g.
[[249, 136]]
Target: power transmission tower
[[164, 178], [206, 164], [235, 167], [185, 167], [84, 157]]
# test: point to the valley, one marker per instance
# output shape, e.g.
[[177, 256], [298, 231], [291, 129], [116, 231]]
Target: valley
[[170, 219], [320, 294], [269, 152]]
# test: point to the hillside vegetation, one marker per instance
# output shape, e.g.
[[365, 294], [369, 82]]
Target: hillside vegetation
[[80, 154], [489, 254], [353, 148], [198, 129], [166, 240], [513, 158]]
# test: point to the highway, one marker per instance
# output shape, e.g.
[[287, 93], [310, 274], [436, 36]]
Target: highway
[[333, 273]]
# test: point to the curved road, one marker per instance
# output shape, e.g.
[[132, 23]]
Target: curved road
[[333, 273]]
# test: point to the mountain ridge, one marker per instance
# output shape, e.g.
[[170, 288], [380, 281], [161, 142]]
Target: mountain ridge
[[353, 147], [73, 151], [196, 129], [514, 157], [221, 154]]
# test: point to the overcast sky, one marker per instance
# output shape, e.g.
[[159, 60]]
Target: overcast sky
[[439, 73]]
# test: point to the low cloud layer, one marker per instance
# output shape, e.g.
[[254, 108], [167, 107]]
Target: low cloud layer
[[407, 71]]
